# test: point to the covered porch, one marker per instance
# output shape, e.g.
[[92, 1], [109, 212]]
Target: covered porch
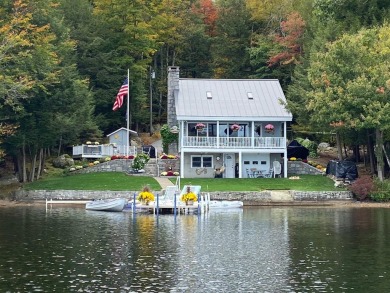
[[234, 142]]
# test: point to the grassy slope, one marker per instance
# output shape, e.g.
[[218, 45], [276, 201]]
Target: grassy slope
[[121, 181]]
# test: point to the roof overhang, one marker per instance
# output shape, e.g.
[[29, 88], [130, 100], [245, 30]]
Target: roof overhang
[[123, 128]]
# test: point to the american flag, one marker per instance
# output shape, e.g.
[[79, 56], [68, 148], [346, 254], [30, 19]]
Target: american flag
[[119, 97]]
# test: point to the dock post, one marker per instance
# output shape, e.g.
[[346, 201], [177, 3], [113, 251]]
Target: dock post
[[199, 203], [134, 203], [158, 204], [174, 205]]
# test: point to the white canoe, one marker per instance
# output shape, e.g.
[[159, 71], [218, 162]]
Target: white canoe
[[225, 204], [109, 205]]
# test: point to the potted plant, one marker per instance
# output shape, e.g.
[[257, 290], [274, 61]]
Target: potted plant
[[200, 126], [235, 127], [145, 196], [189, 197], [269, 128]]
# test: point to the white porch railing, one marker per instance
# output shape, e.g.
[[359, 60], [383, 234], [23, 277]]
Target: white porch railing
[[235, 142], [104, 150]]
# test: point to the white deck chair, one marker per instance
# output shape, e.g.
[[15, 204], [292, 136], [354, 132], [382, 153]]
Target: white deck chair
[[277, 169], [169, 195]]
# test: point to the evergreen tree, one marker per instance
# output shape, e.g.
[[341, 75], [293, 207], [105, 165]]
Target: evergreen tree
[[233, 36]]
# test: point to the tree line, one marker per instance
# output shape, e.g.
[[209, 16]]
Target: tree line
[[63, 62]]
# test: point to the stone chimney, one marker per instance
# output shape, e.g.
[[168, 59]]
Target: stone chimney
[[173, 90]]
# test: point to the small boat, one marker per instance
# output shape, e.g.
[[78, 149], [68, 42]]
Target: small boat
[[109, 205], [225, 204]]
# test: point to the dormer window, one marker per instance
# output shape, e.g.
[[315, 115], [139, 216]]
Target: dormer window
[[250, 95], [209, 95]]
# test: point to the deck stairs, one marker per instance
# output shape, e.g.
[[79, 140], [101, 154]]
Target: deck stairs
[[281, 196]]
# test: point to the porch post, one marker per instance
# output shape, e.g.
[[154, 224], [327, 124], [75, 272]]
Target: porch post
[[285, 162], [253, 135], [285, 159], [182, 131], [239, 164], [218, 134]]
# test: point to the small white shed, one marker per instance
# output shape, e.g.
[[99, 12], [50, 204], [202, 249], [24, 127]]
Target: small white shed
[[119, 136]]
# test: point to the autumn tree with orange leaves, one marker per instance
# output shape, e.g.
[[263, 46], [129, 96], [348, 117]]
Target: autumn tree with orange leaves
[[209, 13], [290, 41]]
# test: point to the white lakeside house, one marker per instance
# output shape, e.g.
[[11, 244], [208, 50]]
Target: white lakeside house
[[254, 106]]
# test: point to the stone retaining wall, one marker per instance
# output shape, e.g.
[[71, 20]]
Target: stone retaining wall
[[118, 165], [301, 168], [70, 194], [155, 166], [249, 198], [321, 195]]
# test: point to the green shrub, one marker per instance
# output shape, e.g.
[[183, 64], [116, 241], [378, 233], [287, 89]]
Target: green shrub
[[167, 137], [381, 190], [66, 172], [140, 161], [311, 146]]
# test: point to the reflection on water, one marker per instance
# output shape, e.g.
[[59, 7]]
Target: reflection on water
[[277, 249]]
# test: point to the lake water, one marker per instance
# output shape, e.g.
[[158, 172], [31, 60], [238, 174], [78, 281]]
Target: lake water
[[273, 249]]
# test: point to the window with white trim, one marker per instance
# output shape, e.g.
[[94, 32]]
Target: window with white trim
[[202, 161]]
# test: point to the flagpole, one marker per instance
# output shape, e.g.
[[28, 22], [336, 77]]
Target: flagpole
[[128, 112]]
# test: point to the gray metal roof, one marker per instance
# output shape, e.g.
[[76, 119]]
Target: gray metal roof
[[230, 100]]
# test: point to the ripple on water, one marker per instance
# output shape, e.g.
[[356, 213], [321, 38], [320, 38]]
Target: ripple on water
[[250, 250]]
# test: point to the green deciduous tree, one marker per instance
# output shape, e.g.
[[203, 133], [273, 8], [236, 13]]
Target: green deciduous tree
[[55, 104], [351, 85]]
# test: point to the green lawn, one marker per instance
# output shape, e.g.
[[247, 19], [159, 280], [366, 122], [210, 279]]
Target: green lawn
[[121, 181], [94, 181], [305, 183]]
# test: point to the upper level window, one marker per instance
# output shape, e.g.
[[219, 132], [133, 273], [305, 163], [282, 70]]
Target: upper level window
[[202, 161]]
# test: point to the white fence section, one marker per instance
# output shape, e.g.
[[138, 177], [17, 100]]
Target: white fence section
[[103, 150], [235, 142]]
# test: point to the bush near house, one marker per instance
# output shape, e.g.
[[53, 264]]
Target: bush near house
[[381, 190], [140, 161], [367, 188], [362, 187], [312, 146]]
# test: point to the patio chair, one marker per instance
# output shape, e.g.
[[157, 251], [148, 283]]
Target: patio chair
[[277, 169], [169, 194], [269, 174]]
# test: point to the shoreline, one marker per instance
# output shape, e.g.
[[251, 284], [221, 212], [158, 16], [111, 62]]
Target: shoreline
[[4, 203]]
